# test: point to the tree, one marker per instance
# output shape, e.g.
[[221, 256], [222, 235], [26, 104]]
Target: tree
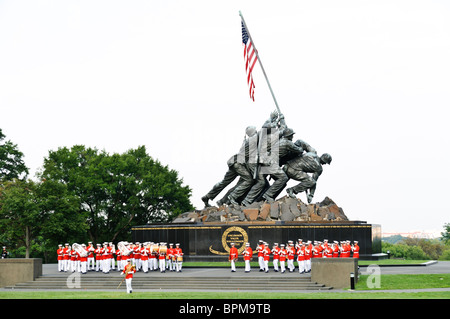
[[117, 191], [19, 213], [446, 234], [11, 161]]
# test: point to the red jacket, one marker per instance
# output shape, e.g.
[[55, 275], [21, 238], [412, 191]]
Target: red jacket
[[248, 253], [129, 270], [233, 253]]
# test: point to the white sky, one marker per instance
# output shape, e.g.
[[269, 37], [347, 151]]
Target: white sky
[[366, 81]]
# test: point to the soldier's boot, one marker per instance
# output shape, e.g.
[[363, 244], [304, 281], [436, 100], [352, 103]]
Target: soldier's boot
[[205, 200]]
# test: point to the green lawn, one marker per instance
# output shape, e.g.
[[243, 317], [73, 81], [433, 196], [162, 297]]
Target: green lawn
[[388, 282], [222, 295], [362, 291]]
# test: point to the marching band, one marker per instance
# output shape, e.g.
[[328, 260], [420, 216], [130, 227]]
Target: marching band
[[151, 256], [144, 257], [285, 254]]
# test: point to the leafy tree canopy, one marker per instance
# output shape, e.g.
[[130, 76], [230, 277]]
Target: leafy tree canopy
[[117, 191], [11, 160]]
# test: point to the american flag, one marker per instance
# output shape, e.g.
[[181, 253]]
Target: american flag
[[250, 60]]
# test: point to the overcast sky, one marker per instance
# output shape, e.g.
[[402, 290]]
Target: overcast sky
[[366, 81]]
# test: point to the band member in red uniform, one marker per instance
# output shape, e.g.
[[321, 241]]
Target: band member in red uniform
[[266, 256], [328, 252], [120, 263], [233, 257], [170, 257], [90, 258], [291, 254], [106, 263], [335, 247], [111, 252], [153, 261], [248, 254], [283, 254], [66, 257], [308, 255], [73, 260], [137, 256], [98, 257], [355, 249], [83, 259], [301, 258], [162, 257], [59, 252], [128, 271], [144, 257], [179, 256], [276, 256], [259, 250]]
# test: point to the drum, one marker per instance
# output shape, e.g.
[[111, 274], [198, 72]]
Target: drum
[[180, 258], [154, 248]]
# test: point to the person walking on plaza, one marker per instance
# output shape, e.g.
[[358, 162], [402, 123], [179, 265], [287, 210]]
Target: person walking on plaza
[[233, 257], [128, 271], [248, 253]]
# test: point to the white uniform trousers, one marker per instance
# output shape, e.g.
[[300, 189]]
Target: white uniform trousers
[[83, 266], [128, 282], [282, 266], [179, 264], [90, 263], [144, 265], [261, 263], [290, 264], [301, 266], [233, 265], [266, 265], [247, 265], [275, 264], [162, 264]]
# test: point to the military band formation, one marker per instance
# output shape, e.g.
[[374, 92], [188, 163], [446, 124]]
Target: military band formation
[[285, 255], [107, 257], [150, 256]]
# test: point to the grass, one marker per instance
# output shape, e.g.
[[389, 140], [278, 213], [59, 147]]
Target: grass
[[91, 295], [362, 289], [419, 281], [388, 282]]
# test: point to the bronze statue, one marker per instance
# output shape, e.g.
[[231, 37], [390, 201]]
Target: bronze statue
[[269, 153], [236, 167]]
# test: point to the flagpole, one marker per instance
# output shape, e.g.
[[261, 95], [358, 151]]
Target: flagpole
[[259, 60]]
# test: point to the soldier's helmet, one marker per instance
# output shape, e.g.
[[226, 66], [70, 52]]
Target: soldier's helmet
[[288, 132], [326, 158], [250, 131]]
